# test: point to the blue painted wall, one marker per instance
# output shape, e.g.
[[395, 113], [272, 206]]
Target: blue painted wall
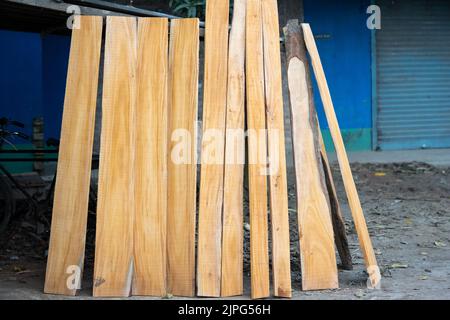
[[32, 83], [345, 50], [33, 78], [55, 54], [20, 85], [21, 76]]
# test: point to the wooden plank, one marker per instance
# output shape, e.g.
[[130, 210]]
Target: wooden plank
[[151, 158], [182, 169], [257, 152], [318, 260], [232, 237], [213, 149], [349, 183], [340, 235], [113, 268], [281, 262], [70, 207]]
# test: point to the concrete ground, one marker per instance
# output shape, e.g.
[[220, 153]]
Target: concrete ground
[[406, 199], [434, 157]]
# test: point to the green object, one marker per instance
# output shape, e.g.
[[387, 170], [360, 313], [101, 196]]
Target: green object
[[17, 167], [192, 8], [21, 167], [354, 139], [189, 8]]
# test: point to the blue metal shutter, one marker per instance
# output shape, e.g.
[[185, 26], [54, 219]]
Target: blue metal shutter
[[413, 74]]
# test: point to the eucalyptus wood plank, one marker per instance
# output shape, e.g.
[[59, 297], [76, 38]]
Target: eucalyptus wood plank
[[113, 269], [213, 149], [340, 236], [257, 152], [70, 207], [281, 262], [318, 260], [233, 197], [151, 158], [182, 168]]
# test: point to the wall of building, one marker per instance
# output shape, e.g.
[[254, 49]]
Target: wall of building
[[55, 58], [32, 83], [344, 44], [34, 66], [33, 78], [21, 76], [20, 85]]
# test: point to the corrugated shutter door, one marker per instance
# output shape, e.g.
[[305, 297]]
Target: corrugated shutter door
[[413, 74]]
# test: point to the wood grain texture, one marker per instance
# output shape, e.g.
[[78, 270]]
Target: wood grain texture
[[297, 42], [113, 268], [281, 263], [318, 260], [70, 207], [151, 158], [340, 235], [181, 206], [257, 152], [213, 149], [349, 184], [233, 229]]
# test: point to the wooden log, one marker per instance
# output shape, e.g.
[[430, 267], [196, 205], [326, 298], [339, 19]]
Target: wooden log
[[213, 149], [281, 262], [257, 152], [340, 236], [113, 268], [151, 158], [318, 260], [288, 9], [70, 208], [349, 183], [182, 168], [233, 229]]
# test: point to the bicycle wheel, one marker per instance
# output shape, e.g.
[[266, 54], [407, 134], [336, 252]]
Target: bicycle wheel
[[7, 204]]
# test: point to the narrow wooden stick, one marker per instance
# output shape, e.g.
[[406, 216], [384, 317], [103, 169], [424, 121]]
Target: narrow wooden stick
[[340, 235], [281, 266], [257, 152], [209, 250], [233, 230], [349, 183]]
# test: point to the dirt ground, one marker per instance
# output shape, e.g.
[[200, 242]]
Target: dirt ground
[[407, 207]]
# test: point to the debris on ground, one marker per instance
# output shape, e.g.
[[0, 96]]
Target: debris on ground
[[406, 209]]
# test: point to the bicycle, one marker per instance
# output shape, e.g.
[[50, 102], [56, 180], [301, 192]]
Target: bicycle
[[38, 209], [7, 201]]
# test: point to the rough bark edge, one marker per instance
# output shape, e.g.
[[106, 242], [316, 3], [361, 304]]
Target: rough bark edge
[[295, 47]]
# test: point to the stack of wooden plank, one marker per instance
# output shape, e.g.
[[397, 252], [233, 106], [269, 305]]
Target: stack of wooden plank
[[147, 203], [145, 232]]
